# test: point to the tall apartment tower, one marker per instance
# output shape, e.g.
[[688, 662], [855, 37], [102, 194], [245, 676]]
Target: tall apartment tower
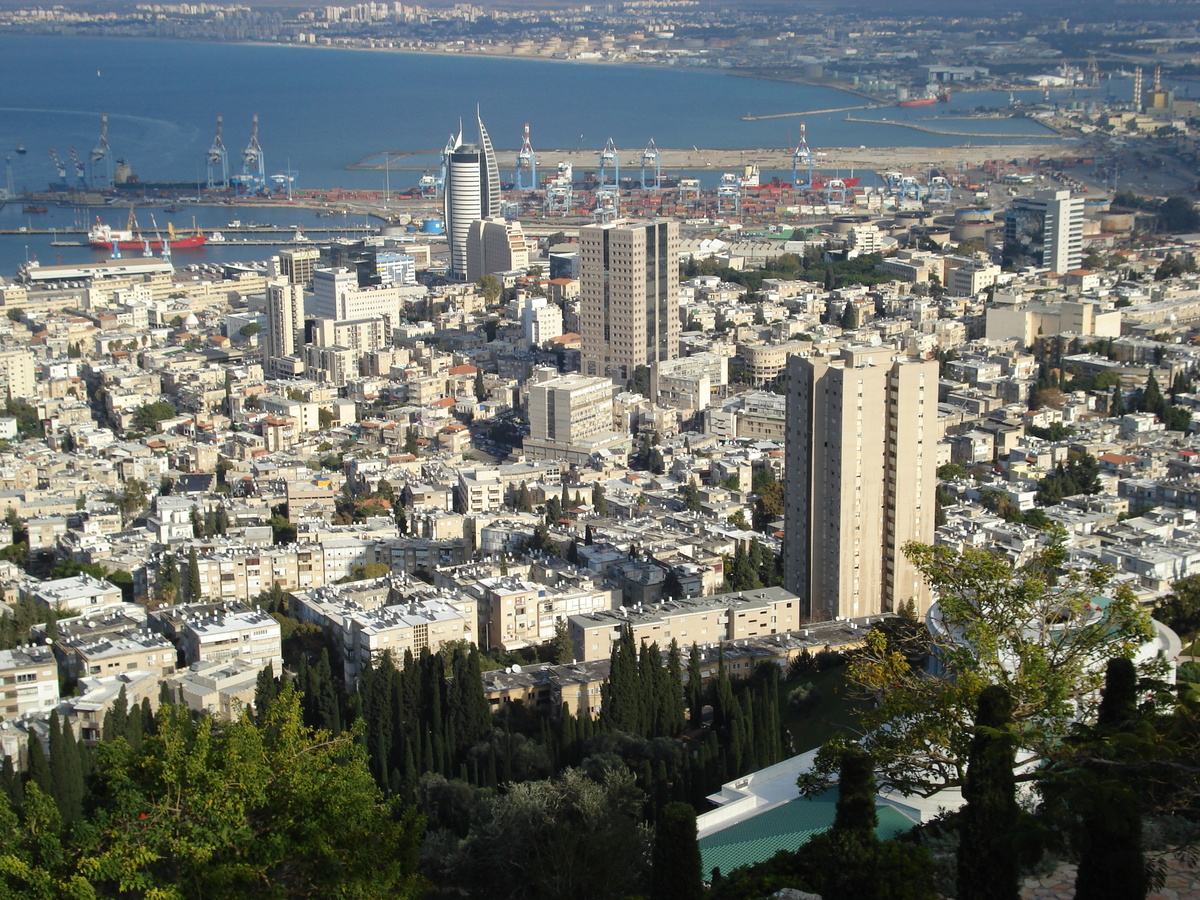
[[861, 480], [1045, 231], [472, 192], [628, 296], [285, 327]]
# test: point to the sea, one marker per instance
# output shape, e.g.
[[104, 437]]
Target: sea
[[321, 110]]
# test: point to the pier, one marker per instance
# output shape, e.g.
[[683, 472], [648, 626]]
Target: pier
[[813, 112], [967, 134]]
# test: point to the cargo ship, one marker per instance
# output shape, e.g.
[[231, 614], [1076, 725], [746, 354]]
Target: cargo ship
[[104, 237], [925, 101]]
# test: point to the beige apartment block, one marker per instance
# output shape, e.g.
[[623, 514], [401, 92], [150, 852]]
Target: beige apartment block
[[113, 654], [861, 477], [629, 296], [707, 620]]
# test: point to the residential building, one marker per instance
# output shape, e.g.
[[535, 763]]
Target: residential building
[[540, 320], [725, 617], [571, 417], [221, 637], [74, 595], [862, 431], [1044, 231], [338, 295], [628, 289], [285, 328], [17, 374], [28, 680], [472, 192], [495, 244], [112, 654], [297, 264]]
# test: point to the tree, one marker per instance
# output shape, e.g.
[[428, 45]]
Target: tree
[[250, 809], [250, 329], [490, 287], [562, 648], [845, 859], [410, 442], [988, 866], [581, 840], [1039, 631], [769, 505], [1180, 609], [193, 576], [599, 501], [690, 494], [480, 387], [676, 872], [695, 688]]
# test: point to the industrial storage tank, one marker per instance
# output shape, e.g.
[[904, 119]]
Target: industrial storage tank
[[843, 224], [973, 215], [1117, 223], [972, 223], [433, 226], [939, 234], [911, 217]]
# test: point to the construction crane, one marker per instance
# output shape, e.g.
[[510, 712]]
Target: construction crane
[[651, 161], [80, 173], [59, 168], [217, 161], [101, 159], [253, 179], [610, 165], [526, 174], [802, 163]]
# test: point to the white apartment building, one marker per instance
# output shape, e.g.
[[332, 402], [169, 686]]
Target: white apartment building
[[28, 680], [219, 637], [570, 416], [1044, 231], [540, 320]]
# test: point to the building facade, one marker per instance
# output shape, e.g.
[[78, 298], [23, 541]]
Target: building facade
[[629, 296], [861, 480], [472, 192], [495, 244], [1044, 231]]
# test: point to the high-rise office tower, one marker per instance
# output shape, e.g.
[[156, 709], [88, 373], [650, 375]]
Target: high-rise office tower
[[1044, 231], [472, 192], [297, 263], [285, 327], [861, 480], [495, 245], [628, 296]]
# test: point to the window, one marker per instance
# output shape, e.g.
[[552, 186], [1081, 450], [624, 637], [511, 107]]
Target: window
[[27, 679]]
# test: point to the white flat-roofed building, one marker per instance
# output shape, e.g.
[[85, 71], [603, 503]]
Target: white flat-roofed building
[[251, 636], [28, 680], [113, 654], [221, 689], [75, 595]]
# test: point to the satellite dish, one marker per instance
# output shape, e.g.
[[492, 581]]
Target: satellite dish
[[516, 670]]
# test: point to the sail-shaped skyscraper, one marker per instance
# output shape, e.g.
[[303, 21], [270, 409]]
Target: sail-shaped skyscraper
[[472, 192]]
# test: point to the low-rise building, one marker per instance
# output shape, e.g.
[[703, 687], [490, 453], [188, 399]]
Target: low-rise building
[[251, 636], [28, 680]]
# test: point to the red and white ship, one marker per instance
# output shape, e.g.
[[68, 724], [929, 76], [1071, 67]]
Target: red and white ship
[[104, 237]]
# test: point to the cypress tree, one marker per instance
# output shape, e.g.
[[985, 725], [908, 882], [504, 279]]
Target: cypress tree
[[38, 766], [856, 794], [1118, 700], [988, 867], [11, 784], [115, 718], [193, 576], [674, 691], [1117, 407], [265, 691], [695, 688], [1111, 865]]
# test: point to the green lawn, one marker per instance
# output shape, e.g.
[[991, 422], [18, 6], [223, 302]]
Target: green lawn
[[835, 712]]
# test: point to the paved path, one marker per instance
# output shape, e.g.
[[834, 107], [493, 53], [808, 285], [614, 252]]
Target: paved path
[[1182, 884]]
